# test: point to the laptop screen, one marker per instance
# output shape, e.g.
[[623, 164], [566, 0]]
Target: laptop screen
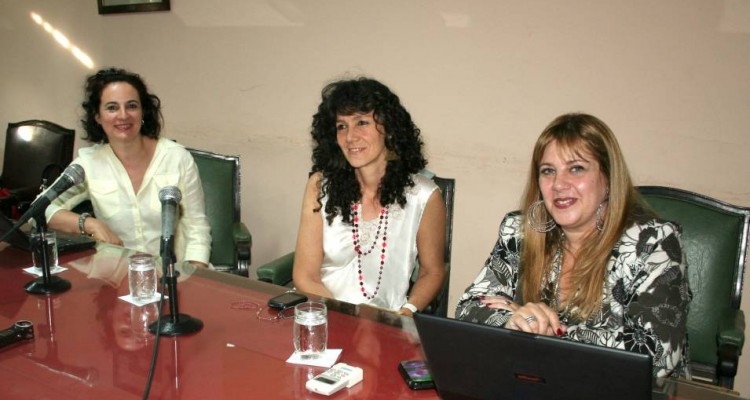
[[474, 361]]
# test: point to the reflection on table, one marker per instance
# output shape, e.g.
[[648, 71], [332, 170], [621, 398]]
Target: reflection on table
[[91, 345]]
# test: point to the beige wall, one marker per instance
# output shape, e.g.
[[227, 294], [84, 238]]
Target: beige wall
[[481, 78]]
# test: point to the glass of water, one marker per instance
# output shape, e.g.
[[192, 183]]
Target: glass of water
[[36, 249], [310, 329], [142, 276]]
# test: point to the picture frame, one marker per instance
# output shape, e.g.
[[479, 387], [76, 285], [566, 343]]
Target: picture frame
[[129, 6]]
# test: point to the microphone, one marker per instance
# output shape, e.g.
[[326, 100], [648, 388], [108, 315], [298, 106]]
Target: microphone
[[169, 196], [174, 323], [73, 175]]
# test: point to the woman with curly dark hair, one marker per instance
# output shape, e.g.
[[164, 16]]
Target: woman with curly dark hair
[[367, 214], [126, 168]]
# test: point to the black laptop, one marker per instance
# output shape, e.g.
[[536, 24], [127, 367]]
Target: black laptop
[[473, 361], [65, 241]]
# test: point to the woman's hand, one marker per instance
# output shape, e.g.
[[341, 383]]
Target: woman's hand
[[537, 318], [198, 264], [498, 302], [101, 232], [405, 312]]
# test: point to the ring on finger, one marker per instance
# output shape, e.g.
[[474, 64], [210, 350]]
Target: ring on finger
[[530, 319]]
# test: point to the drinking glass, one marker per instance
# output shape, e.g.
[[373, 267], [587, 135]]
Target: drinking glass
[[142, 276], [36, 249], [310, 329]]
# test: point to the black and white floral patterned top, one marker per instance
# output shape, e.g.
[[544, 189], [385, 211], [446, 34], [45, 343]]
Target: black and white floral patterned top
[[644, 301]]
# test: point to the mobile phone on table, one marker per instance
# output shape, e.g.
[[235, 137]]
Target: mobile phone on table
[[416, 373], [286, 300]]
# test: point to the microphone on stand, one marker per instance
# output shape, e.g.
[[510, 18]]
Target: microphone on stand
[[73, 175], [174, 323], [170, 197], [47, 283]]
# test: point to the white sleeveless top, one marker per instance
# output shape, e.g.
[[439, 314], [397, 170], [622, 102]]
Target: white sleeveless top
[[339, 268]]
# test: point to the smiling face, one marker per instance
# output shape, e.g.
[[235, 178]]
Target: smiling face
[[120, 113], [361, 140], [572, 186]]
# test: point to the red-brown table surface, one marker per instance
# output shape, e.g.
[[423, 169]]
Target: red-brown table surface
[[91, 345]]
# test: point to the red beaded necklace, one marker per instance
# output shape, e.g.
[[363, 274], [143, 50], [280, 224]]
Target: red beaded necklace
[[382, 225]]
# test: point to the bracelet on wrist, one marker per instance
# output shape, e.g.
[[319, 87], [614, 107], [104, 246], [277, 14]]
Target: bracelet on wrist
[[410, 307], [82, 223]]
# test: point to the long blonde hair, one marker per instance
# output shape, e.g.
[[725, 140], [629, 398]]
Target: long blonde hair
[[578, 133]]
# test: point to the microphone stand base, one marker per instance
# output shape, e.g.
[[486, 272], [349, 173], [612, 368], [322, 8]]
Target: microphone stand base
[[170, 326], [55, 284]]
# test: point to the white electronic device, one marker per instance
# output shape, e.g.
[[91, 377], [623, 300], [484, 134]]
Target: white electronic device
[[336, 378]]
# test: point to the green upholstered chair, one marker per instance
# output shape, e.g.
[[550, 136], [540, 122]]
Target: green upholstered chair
[[715, 239], [279, 271], [231, 241]]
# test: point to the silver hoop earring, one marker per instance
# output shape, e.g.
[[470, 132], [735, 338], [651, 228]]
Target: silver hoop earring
[[534, 218], [600, 217]]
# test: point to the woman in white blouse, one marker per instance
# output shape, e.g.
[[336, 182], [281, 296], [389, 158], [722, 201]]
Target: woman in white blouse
[[367, 214], [126, 168]]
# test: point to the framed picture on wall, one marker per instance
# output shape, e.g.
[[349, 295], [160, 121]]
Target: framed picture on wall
[[127, 6]]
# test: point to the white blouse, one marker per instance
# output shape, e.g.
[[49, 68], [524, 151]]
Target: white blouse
[[339, 269], [136, 217]]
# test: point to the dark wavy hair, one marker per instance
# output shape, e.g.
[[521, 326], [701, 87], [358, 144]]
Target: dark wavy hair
[[363, 95], [95, 84]]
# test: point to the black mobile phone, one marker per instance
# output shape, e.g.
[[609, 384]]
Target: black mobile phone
[[416, 373], [286, 300]]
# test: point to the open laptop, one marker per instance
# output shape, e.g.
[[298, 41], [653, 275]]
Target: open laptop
[[473, 361], [65, 241]]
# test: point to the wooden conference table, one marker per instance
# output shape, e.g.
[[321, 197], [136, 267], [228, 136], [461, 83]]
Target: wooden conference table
[[91, 345]]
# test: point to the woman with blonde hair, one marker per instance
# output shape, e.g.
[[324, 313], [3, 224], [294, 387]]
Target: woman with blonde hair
[[586, 259]]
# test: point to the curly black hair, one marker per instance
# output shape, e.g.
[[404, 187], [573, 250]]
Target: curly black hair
[[363, 95], [95, 84]]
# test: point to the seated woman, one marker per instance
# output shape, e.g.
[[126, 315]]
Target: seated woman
[[367, 215], [586, 259], [126, 168]]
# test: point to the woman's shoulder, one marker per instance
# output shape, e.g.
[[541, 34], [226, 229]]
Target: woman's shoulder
[[90, 151], [511, 224], [94, 156], [312, 187], [654, 228], [172, 153], [171, 146], [423, 182], [422, 190], [423, 185]]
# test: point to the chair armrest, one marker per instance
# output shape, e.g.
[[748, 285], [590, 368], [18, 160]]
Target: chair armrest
[[241, 234], [243, 242], [730, 338], [278, 271], [731, 328]]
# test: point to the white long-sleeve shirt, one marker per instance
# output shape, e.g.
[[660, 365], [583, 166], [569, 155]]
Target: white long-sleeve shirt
[[136, 217]]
